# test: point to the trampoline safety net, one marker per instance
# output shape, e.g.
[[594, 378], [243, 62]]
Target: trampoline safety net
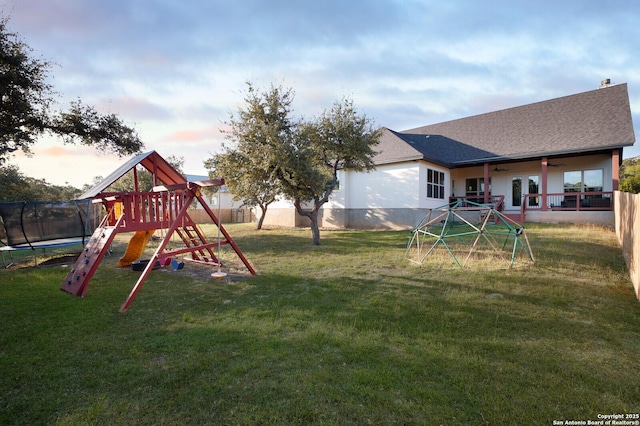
[[35, 221]]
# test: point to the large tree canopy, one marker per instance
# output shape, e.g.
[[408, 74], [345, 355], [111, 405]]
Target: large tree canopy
[[273, 154], [338, 138], [630, 175], [249, 159], [26, 100]]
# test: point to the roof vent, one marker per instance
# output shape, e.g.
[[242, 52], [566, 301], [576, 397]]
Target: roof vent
[[605, 83]]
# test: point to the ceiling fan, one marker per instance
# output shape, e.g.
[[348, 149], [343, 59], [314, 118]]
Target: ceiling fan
[[555, 165], [497, 169]]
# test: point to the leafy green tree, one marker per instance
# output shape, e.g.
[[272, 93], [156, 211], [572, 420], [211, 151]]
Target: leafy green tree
[[249, 162], [26, 101], [308, 172], [630, 175], [18, 187], [274, 154], [13, 184], [95, 181], [106, 132]]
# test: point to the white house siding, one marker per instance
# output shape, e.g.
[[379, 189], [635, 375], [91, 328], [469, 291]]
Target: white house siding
[[393, 196], [388, 186], [226, 201], [281, 213]]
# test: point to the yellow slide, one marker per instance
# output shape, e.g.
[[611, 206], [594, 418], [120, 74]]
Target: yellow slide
[[135, 248]]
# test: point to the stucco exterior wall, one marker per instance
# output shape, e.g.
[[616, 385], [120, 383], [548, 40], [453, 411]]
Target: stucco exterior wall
[[393, 186], [371, 218], [394, 196], [605, 218], [388, 186]]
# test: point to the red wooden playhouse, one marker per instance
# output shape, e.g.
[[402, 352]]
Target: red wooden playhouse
[[165, 207]]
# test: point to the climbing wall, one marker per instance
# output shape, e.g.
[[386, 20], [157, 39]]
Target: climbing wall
[[87, 263]]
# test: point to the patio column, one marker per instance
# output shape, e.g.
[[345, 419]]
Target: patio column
[[486, 183], [545, 165], [615, 169]]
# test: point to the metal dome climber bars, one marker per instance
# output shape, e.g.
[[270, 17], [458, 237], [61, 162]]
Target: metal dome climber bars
[[472, 234]]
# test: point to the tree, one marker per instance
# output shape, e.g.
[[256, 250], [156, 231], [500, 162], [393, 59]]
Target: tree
[[248, 164], [308, 172], [25, 107], [13, 184], [274, 154], [18, 187], [630, 175]]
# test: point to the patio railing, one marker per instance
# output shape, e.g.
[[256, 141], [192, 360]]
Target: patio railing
[[568, 201], [495, 201]]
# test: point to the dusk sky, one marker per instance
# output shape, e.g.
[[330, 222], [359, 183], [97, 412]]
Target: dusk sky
[[176, 70]]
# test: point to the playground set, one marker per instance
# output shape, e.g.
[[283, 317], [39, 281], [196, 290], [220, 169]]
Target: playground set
[[471, 233], [163, 208]]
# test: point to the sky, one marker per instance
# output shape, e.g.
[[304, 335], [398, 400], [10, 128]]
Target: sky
[[176, 70]]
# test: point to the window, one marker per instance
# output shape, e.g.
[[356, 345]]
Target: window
[[573, 181], [534, 188], [583, 181], [516, 191], [593, 181], [475, 186], [435, 184]]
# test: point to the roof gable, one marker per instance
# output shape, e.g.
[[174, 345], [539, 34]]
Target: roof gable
[[591, 121]]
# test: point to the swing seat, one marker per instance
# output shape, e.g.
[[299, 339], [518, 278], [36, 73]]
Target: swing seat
[[177, 265], [140, 265]]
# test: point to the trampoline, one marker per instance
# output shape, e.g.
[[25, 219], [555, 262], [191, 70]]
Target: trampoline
[[40, 225]]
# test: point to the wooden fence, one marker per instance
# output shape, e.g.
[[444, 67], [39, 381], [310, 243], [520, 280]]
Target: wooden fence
[[228, 215], [627, 213]]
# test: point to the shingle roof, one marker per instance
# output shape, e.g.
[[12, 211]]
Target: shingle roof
[[586, 122]]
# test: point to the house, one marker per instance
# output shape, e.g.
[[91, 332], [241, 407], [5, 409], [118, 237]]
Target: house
[[231, 210], [551, 161], [226, 198]]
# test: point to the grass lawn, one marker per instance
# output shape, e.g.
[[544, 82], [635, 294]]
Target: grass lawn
[[348, 332]]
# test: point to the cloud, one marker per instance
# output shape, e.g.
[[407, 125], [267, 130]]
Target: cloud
[[194, 135], [58, 151], [177, 69], [135, 108]]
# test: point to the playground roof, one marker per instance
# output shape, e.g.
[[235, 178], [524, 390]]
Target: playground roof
[[152, 161]]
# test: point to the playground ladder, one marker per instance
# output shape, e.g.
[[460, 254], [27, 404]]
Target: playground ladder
[[192, 237]]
